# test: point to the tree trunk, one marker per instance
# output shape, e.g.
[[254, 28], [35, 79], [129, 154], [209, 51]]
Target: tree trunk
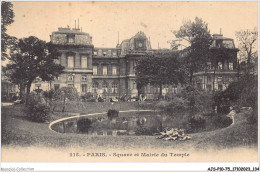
[[64, 101], [28, 88], [160, 93], [22, 91]]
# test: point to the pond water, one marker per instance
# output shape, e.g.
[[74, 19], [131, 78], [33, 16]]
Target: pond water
[[138, 123]]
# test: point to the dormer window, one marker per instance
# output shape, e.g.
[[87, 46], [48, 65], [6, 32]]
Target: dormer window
[[109, 53], [71, 38], [99, 52]]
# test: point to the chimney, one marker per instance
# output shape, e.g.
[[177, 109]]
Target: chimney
[[78, 23], [75, 24]]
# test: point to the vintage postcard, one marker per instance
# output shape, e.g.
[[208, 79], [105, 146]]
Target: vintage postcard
[[129, 82]]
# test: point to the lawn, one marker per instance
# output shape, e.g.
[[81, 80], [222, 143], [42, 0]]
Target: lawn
[[18, 131]]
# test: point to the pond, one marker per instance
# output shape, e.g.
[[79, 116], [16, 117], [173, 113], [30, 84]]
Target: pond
[[138, 123]]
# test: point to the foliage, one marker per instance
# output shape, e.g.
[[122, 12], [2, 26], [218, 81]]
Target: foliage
[[176, 105], [7, 16], [195, 36], [112, 114], [65, 93], [49, 96], [197, 123], [222, 121], [37, 109], [248, 47], [144, 131], [88, 97], [242, 93], [162, 67], [32, 58], [83, 125], [198, 101]]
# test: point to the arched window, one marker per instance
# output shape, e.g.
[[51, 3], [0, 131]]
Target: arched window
[[114, 87], [104, 70]]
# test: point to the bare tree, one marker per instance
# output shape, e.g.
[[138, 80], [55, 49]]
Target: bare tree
[[248, 47]]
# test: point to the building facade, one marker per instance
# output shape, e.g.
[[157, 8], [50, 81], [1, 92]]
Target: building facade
[[110, 72], [222, 65]]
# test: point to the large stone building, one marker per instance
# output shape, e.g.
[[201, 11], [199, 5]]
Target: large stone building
[[221, 67], [107, 72], [110, 72]]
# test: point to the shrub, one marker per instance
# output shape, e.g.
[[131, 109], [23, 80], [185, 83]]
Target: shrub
[[65, 93], [83, 125], [37, 108], [198, 101], [222, 121], [88, 97], [242, 93], [177, 104], [143, 131], [112, 114], [252, 119], [197, 123]]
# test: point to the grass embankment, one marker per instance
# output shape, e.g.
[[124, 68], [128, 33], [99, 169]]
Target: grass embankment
[[17, 130]]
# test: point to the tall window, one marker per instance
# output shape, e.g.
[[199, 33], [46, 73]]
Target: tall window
[[220, 79], [71, 38], [84, 62], [209, 79], [95, 86], [230, 66], [56, 86], [105, 86], [109, 53], [104, 70], [94, 70], [114, 72], [209, 65], [174, 89], [114, 87], [134, 85], [114, 54], [83, 88], [219, 65], [71, 61]]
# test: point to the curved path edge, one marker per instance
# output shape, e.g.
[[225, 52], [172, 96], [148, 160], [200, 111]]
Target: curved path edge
[[90, 114]]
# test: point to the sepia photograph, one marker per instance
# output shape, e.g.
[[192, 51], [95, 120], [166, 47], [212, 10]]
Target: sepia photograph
[[129, 81]]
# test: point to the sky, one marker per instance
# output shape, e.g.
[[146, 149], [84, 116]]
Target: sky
[[103, 20]]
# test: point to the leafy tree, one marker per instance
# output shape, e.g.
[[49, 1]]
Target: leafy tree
[[240, 93], [248, 47], [196, 38], [64, 93], [31, 58], [159, 68], [7, 16]]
